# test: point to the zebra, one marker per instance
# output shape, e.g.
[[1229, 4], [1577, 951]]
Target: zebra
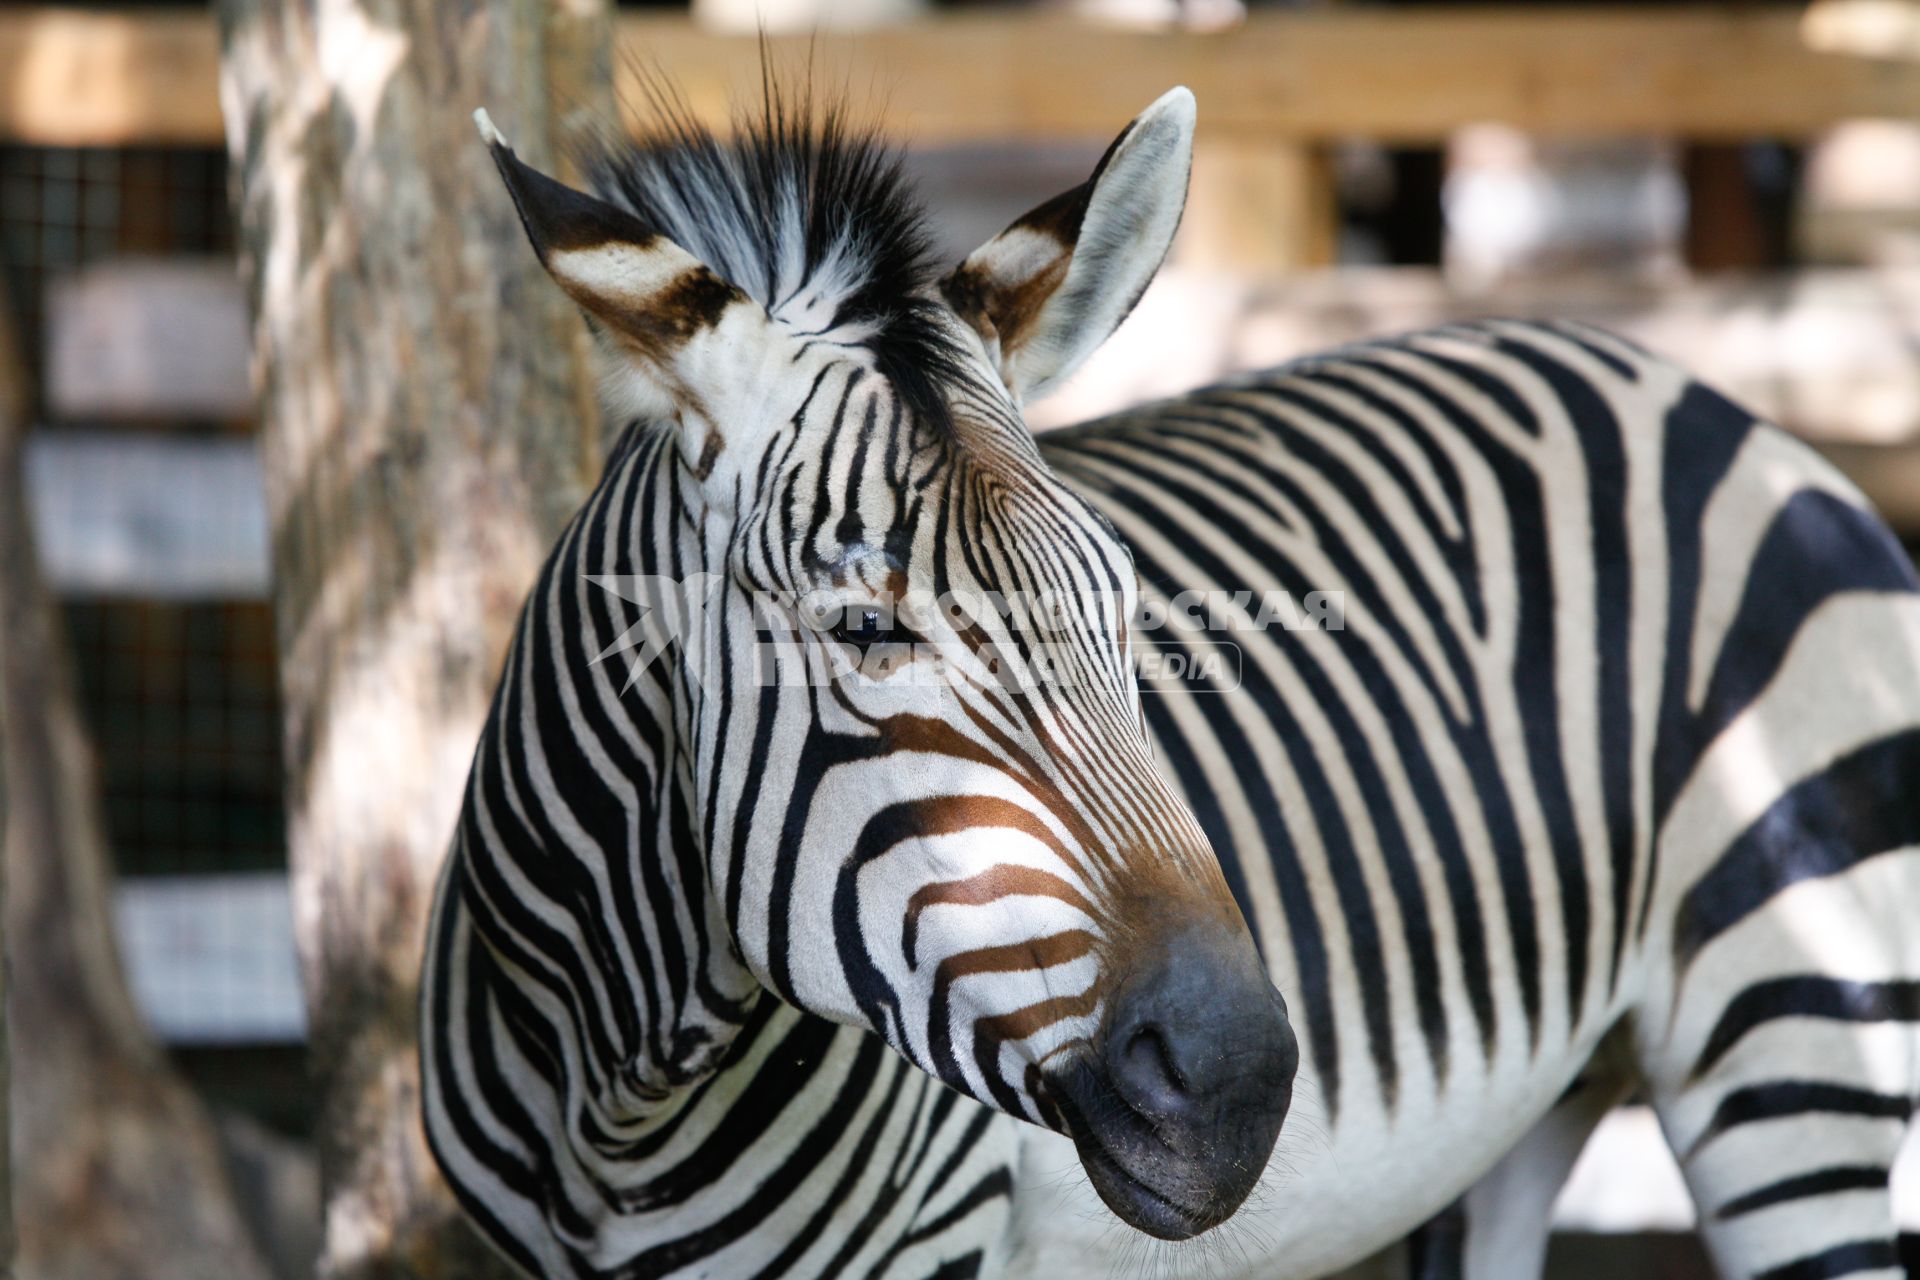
[[686, 912], [748, 959]]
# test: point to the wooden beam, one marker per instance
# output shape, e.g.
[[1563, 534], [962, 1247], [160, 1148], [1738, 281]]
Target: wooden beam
[[77, 78], [1317, 75], [148, 340], [1746, 335], [1868, 28], [141, 516], [71, 77]]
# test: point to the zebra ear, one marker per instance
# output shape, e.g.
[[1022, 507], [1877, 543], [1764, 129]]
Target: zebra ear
[[652, 298], [1044, 293]]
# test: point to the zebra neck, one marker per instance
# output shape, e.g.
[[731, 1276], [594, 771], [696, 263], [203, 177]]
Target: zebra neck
[[769, 1142], [592, 744]]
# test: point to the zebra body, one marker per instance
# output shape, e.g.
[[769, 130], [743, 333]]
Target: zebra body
[[1610, 780], [1605, 779]]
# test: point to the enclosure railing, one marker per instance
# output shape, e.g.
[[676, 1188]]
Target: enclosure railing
[[91, 77]]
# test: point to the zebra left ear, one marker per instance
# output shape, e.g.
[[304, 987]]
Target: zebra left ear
[[654, 299], [1047, 291]]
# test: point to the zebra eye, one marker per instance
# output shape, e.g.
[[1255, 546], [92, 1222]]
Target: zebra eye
[[863, 628]]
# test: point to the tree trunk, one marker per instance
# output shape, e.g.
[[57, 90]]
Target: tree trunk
[[13, 412], [428, 424], [121, 1176]]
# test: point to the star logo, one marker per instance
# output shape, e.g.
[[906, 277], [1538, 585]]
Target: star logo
[[667, 610]]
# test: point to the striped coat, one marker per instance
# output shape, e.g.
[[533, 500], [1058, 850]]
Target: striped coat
[[1518, 724]]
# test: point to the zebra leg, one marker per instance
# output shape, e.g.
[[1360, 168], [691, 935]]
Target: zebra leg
[[1789, 1172], [1437, 1248], [1789, 1074], [1498, 1230]]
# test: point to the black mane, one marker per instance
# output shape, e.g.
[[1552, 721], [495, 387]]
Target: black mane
[[798, 202]]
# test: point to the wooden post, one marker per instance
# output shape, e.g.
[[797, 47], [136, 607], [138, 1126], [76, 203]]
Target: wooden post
[[1725, 229], [428, 424], [120, 1176], [1258, 205]]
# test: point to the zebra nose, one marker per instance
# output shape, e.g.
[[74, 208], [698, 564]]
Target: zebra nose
[[1176, 1111], [1201, 1039]]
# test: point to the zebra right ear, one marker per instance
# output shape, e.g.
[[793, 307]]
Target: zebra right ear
[[654, 300], [1044, 293]]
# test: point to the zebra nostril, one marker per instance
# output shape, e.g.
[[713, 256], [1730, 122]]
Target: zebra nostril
[[1147, 1070], [1197, 1039]]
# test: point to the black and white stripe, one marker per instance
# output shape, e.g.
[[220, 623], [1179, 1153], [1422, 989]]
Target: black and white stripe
[[571, 998], [1609, 782], [1606, 781]]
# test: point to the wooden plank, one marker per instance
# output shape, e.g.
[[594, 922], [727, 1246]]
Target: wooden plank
[[210, 958], [99, 78], [1870, 28], [1405, 75], [1826, 353], [148, 339], [148, 517], [72, 77]]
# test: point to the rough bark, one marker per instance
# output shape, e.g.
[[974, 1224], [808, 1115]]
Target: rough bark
[[120, 1173], [428, 424], [12, 413]]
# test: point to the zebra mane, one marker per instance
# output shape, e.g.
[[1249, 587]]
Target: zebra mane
[[805, 211]]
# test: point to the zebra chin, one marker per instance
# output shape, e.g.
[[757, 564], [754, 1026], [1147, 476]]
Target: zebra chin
[[1175, 1110]]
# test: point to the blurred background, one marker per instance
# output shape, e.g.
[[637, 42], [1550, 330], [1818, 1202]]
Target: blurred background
[[1736, 186]]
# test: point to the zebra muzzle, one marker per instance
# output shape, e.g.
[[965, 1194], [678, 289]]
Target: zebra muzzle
[[1176, 1109]]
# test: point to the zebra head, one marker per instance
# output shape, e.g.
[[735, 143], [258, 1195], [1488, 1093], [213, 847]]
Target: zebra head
[[914, 755]]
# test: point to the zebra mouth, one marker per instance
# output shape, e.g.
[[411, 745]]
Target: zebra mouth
[[1140, 1170], [1178, 1100], [1139, 1205]]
